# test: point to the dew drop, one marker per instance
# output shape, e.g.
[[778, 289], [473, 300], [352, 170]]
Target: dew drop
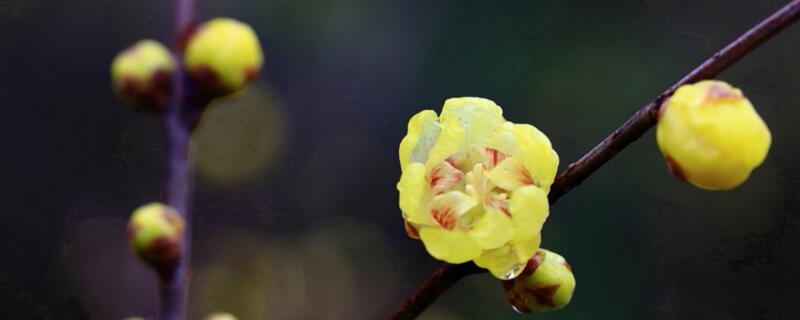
[[514, 271]]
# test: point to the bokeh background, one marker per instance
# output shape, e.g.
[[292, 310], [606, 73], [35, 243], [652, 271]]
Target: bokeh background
[[296, 209]]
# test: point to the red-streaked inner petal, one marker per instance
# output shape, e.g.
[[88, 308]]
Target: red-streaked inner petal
[[443, 177], [498, 203], [491, 158], [445, 217]]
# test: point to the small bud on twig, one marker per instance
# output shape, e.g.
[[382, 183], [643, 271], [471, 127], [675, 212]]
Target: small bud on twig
[[141, 74], [222, 56], [711, 136], [547, 283], [155, 231]]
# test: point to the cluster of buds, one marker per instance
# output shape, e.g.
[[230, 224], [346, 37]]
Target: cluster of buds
[[474, 186], [155, 233], [711, 136], [220, 58]]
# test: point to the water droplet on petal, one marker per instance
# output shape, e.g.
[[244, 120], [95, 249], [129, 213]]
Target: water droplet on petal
[[514, 271]]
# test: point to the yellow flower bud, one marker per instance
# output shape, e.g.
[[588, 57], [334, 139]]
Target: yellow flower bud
[[155, 231], [222, 56], [221, 316], [142, 73], [711, 136], [546, 284]]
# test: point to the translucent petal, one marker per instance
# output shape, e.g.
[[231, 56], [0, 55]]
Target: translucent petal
[[508, 261], [505, 141], [469, 123], [492, 230], [450, 246], [447, 144], [423, 129]]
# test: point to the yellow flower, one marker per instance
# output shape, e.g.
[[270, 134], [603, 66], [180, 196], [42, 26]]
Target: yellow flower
[[223, 56], [546, 284], [711, 135], [142, 72], [474, 186]]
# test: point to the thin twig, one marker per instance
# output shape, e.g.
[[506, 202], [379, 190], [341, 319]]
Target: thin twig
[[644, 119], [178, 123]]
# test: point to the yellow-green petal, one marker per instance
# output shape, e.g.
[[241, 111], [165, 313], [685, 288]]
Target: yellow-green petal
[[538, 156], [468, 124], [510, 174], [529, 209], [414, 194], [449, 246]]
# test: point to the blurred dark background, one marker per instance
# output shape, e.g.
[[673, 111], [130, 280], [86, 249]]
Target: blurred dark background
[[296, 209]]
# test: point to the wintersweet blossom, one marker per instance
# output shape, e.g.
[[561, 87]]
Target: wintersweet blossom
[[474, 186]]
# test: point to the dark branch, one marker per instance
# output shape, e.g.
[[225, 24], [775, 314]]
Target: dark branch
[[179, 120], [644, 119]]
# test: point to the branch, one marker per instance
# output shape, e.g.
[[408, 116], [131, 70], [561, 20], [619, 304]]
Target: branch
[[641, 121], [179, 120]]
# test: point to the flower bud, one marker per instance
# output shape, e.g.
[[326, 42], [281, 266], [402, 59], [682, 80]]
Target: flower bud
[[546, 284], [711, 136], [155, 231], [141, 74], [222, 56], [221, 316]]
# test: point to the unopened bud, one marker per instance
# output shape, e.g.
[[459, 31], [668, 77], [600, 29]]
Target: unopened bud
[[155, 231], [141, 74], [547, 283], [222, 56], [711, 136]]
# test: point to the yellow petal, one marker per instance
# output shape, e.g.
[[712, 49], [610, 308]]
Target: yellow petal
[[538, 156], [505, 141], [449, 142], [468, 124], [492, 230], [423, 129], [448, 208], [525, 245], [450, 246], [414, 195], [508, 261], [510, 174], [444, 177], [529, 210]]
